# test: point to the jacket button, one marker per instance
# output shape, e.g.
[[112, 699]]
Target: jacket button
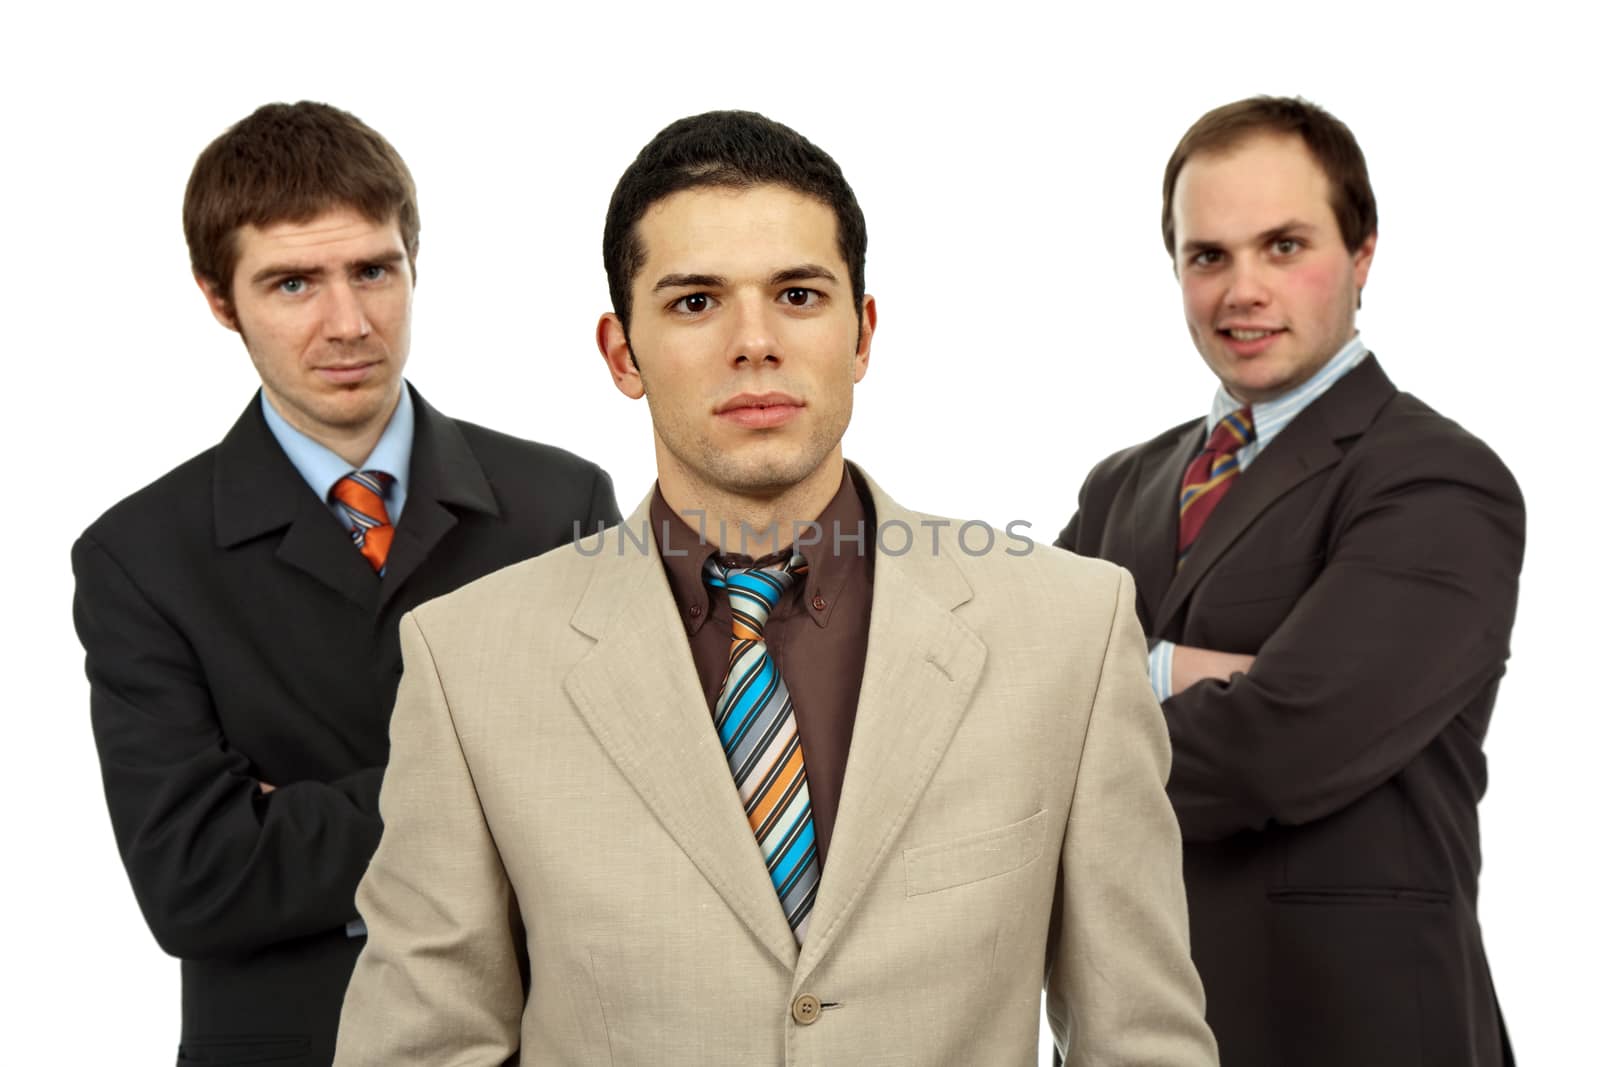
[[805, 1009]]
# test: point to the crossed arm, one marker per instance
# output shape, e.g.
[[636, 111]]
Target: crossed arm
[[1191, 665], [220, 863], [1406, 627]]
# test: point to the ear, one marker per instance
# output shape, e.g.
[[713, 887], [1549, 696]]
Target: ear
[[869, 326], [614, 349], [221, 306], [1361, 259]]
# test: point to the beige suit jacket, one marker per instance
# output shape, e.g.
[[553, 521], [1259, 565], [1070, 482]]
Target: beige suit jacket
[[566, 871]]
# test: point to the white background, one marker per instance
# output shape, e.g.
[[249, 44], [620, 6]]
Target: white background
[[1009, 162]]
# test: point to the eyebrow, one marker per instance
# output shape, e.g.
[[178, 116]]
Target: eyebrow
[[689, 281], [1267, 236], [286, 270], [801, 273]]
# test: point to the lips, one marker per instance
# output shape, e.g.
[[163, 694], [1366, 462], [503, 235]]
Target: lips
[[347, 373], [1247, 341], [759, 411]]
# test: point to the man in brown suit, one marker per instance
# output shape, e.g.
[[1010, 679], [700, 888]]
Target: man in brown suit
[[1329, 617]]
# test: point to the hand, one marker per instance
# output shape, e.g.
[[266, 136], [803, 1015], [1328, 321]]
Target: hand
[[1191, 665], [265, 787]]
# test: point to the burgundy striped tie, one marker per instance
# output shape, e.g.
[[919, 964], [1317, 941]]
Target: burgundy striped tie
[[1210, 475]]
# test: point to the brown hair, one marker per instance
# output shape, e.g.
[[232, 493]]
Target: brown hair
[[1330, 142], [290, 163]]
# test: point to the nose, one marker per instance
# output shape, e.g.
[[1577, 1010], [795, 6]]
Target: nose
[[344, 319], [1246, 285], [755, 333]]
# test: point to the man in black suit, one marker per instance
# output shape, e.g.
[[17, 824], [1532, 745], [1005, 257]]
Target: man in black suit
[[1327, 569], [240, 614]]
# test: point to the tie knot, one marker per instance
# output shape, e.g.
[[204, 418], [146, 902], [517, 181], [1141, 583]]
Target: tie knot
[[1236, 430], [359, 497], [754, 591], [364, 492]]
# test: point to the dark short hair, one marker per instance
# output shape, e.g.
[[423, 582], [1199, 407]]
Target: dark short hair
[[290, 163], [1329, 141], [735, 149]]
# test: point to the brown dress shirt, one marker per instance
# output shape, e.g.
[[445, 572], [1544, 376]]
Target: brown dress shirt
[[817, 633]]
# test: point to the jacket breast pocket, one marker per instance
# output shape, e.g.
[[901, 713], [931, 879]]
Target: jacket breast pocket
[[1249, 585], [974, 857]]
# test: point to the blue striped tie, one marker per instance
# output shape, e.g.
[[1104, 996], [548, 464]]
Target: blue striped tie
[[755, 720]]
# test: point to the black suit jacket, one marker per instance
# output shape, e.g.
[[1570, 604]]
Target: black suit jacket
[[1328, 799], [234, 635]]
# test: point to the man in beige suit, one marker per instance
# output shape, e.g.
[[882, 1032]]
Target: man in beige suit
[[780, 771]]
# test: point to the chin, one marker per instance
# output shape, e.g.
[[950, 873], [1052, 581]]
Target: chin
[[768, 477]]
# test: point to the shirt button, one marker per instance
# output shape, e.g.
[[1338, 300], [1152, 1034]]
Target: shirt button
[[818, 604], [695, 611], [805, 1009]]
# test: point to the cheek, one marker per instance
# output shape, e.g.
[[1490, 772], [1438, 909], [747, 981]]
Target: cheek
[[1313, 285], [276, 339], [1199, 299]]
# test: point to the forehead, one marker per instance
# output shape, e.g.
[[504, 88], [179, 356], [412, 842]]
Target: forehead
[[737, 232], [337, 235], [1262, 182]]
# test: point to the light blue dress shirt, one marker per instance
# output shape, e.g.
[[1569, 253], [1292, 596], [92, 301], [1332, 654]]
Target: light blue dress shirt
[[1271, 416], [322, 468]]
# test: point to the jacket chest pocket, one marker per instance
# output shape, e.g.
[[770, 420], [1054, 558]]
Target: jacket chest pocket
[[974, 857], [1236, 608]]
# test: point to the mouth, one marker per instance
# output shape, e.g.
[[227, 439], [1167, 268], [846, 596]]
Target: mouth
[[759, 411], [347, 373], [1249, 340]]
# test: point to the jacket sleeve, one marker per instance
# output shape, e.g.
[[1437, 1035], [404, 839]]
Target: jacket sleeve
[[1121, 987], [218, 868], [602, 505], [1408, 624], [440, 979]]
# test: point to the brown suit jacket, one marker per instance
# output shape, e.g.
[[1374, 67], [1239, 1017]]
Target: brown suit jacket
[[1368, 558], [566, 872]]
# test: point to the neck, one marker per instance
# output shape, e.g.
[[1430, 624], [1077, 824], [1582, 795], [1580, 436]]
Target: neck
[[749, 524], [352, 444]]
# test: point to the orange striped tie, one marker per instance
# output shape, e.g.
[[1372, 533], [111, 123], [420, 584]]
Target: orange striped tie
[[1210, 475], [360, 497]]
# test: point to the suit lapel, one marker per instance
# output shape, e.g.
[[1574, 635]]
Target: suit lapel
[[1310, 443], [1156, 503], [922, 666], [445, 476], [639, 693], [257, 491]]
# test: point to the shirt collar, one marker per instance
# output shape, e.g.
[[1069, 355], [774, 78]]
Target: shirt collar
[[830, 561], [322, 468], [1271, 416]]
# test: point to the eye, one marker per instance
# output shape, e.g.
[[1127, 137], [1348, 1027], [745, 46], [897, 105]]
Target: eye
[[1209, 257], [1287, 246], [693, 304], [373, 272], [292, 286], [800, 297]]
